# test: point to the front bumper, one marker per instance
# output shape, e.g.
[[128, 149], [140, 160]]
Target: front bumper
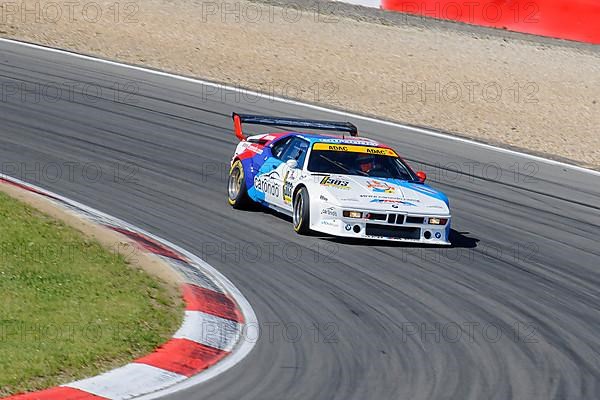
[[400, 227]]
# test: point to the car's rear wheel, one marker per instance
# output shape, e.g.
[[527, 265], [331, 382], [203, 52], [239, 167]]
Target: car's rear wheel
[[301, 214], [237, 194]]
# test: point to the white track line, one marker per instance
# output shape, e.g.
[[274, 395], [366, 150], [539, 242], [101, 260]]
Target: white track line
[[209, 330], [424, 131], [128, 382]]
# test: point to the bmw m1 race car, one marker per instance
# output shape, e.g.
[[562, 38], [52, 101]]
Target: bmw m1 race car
[[337, 185]]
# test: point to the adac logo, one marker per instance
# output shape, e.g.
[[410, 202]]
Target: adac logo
[[337, 147], [380, 187], [375, 150]]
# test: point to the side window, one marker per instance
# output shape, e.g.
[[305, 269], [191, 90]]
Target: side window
[[296, 151], [278, 148], [302, 156]]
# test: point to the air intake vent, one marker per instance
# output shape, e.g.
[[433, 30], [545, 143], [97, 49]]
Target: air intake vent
[[396, 232], [377, 217]]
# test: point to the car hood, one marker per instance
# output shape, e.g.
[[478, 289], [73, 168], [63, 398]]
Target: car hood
[[383, 194]]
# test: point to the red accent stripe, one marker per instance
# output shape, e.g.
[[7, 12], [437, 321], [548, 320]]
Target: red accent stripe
[[246, 154], [183, 357], [208, 301], [28, 188], [57, 393], [149, 244]]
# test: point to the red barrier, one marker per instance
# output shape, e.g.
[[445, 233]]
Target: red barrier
[[565, 19]]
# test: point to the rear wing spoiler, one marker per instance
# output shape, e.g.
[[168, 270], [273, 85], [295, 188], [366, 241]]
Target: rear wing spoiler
[[239, 119]]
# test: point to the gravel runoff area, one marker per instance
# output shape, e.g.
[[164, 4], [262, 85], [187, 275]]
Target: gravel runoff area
[[497, 87]]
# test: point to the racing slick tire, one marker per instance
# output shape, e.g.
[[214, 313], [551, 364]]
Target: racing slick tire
[[301, 214], [237, 193]]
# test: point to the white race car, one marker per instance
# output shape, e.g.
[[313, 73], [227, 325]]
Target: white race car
[[341, 186]]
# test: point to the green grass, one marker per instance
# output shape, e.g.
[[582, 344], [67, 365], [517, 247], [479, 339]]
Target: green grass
[[69, 308]]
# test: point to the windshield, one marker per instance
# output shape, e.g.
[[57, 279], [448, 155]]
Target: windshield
[[357, 162]]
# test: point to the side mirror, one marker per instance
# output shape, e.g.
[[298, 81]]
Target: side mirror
[[291, 163], [422, 176]]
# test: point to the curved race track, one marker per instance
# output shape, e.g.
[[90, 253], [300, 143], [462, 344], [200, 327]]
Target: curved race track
[[525, 262]]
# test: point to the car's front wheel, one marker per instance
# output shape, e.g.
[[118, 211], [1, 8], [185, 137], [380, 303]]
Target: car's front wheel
[[301, 214], [237, 194]]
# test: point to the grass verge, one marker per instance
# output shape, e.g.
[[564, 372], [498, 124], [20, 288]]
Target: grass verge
[[70, 308]]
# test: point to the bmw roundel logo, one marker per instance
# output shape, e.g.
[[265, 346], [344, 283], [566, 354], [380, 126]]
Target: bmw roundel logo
[[394, 205], [348, 227], [438, 235]]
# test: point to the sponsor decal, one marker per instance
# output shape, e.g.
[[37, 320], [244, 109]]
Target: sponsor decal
[[335, 182], [355, 149], [387, 198], [365, 142], [255, 148], [252, 147], [329, 211], [267, 183], [407, 203], [380, 187], [321, 197], [374, 196], [335, 147], [287, 189], [377, 150], [328, 222], [423, 189]]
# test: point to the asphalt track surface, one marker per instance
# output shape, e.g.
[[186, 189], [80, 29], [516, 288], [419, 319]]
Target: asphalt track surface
[[365, 320]]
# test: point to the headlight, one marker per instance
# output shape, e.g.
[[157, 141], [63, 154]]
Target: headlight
[[353, 214], [437, 221]]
